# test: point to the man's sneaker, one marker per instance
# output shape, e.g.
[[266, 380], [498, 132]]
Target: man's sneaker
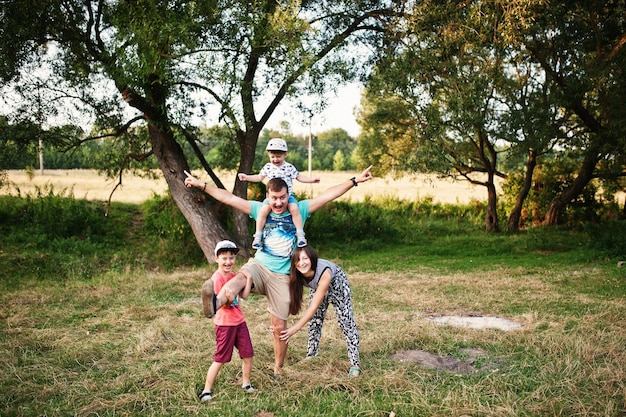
[[208, 299], [248, 388], [301, 240], [258, 241], [206, 396]]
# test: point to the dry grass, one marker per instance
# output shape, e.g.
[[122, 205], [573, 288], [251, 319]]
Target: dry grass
[[88, 184], [138, 345]]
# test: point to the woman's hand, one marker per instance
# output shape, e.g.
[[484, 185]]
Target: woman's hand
[[287, 333]]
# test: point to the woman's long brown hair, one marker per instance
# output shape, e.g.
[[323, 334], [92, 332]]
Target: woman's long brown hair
[[296, 279]]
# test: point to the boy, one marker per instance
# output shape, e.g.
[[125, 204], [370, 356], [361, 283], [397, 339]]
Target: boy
[[278, 167], [230, 326]]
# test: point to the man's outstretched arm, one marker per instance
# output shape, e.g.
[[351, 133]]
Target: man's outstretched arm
[[338, 190], [219, 194]]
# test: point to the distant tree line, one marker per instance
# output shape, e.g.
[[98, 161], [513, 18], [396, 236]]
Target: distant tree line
[[331, 150]]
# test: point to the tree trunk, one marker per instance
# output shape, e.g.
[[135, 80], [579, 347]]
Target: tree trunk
[[585, 174], [491, 217], [247, 144], [193, 203], [516, 213]]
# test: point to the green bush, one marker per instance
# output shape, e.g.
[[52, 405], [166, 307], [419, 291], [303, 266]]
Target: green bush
[[608, 237], [174, 241], [55, 215], [372, 223], [52, 235]]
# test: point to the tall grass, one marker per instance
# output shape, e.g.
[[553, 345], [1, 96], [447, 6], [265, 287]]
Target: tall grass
[[100, 334]]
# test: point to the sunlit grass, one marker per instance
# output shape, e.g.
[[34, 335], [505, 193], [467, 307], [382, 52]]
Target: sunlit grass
[[107, 324], [137, 344]]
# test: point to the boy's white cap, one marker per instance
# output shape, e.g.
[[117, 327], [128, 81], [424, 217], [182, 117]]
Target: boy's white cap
[[276, 144], [224, 245]]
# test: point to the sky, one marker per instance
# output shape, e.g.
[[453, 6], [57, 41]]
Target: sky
[[339, 113]]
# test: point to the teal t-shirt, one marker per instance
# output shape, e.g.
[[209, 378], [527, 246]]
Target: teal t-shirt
[[279, 237]]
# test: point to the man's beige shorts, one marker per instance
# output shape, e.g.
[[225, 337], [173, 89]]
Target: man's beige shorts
[[273, 285]]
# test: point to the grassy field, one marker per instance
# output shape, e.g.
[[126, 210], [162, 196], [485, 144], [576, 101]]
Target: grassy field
[[130, 340], [136, 344]]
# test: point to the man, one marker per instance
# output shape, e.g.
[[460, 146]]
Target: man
[[269, 269]]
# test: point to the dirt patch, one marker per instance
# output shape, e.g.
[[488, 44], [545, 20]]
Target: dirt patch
[[467, 362], [477, 322], [449, 363]]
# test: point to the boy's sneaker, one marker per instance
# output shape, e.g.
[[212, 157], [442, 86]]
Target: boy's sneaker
[[301, 240], [206, 396], [248, 388], [208, 299], [258, 241]]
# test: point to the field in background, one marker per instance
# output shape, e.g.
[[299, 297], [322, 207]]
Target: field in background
[[90, 185]]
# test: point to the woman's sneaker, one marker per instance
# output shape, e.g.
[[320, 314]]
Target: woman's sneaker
[[206, 396]]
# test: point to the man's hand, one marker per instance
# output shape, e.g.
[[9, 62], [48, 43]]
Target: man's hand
[[338, 190], [191, 181], [365, 175]]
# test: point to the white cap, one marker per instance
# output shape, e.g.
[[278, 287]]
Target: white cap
[[276, 144], [226, 245]]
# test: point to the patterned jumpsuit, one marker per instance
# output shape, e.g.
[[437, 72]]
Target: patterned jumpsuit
[[340, 296]]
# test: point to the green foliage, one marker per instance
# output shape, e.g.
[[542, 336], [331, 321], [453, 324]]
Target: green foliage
[[18, 143], [220, 147], [168, 228], [387, 221], [329, 149], [52, 235], [55, 214], [608, 238], [162, 218], [549, 180]]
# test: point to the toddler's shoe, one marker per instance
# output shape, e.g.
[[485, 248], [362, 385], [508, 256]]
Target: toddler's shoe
[[301, 240], [258, 241]]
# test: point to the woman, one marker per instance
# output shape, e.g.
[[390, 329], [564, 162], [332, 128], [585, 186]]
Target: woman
[[328, 284]]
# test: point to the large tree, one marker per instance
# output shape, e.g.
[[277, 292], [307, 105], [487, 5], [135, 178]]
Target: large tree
[[435, 101], [171, 60], [466, 79], [581, 47]]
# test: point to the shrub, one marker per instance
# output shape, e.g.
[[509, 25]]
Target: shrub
[[174, 241], [369, 223], [607, 237]]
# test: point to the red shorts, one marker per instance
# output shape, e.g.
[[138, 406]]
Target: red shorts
[[228, 337]]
